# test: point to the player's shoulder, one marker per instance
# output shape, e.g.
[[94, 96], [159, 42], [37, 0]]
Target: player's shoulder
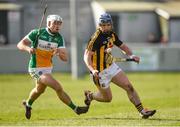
[[38, 30], [114, 33], [34, 31], [59, 36], [96, 34], [42, 29]]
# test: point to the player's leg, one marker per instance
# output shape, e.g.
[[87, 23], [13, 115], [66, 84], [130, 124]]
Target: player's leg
[[122, 81], [63, 96], [103, 84], [102, 95], [34, 94], [51, 82]]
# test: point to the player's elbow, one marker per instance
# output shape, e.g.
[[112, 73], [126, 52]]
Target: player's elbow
[[19, 45], [22, 44], [85, 55], [85, 58]]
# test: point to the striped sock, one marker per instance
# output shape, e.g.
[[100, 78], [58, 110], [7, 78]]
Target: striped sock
[[72, 105], [139, 107]]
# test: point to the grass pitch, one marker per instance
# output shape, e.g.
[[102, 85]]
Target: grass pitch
[[160, 91]]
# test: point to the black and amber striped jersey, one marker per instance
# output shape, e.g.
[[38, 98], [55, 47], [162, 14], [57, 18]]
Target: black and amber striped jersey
[[98, 43]]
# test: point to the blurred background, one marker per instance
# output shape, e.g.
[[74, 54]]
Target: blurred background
[[151, 28]]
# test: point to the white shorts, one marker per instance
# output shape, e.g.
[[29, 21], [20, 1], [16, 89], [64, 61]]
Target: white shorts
[[37, 72], [106, 75]]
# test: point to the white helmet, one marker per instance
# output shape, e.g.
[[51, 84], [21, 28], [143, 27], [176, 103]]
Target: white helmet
[[53, 18]]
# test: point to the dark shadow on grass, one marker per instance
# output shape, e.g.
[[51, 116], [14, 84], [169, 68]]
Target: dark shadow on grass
[[170, 120], [111, 118], [152, 119]]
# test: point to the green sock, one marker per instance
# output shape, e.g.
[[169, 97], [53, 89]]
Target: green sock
[[30, 102], [72, 105]]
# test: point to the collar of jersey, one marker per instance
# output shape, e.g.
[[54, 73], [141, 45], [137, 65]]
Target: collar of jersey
[[49, 32], [105, 33]]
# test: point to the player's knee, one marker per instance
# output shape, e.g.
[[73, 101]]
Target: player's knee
[[42, 79]]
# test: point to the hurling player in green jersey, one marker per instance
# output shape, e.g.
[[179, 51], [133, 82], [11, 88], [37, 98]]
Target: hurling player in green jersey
[[42, 45], [103, 72]]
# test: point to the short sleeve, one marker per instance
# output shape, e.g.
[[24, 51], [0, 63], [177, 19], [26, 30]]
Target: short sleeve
[[117, 41], [93, 42], [31, 36], [92, 45]]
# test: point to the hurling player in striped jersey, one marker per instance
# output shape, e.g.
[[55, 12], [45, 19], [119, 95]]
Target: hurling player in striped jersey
[[103, 72]]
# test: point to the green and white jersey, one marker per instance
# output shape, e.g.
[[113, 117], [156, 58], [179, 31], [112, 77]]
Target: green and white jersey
[[44, 47]]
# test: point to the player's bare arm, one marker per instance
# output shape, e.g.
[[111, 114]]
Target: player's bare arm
[[128, 52], [63, 55], [88, 60], [23, 45]]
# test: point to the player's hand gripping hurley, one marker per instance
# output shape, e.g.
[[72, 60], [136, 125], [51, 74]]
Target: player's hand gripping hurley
[[110, 59]]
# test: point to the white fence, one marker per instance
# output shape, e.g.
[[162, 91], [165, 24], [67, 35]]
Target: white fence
[[153, 58]]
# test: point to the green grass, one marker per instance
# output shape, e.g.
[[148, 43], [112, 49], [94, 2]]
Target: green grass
[[159, 91]]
